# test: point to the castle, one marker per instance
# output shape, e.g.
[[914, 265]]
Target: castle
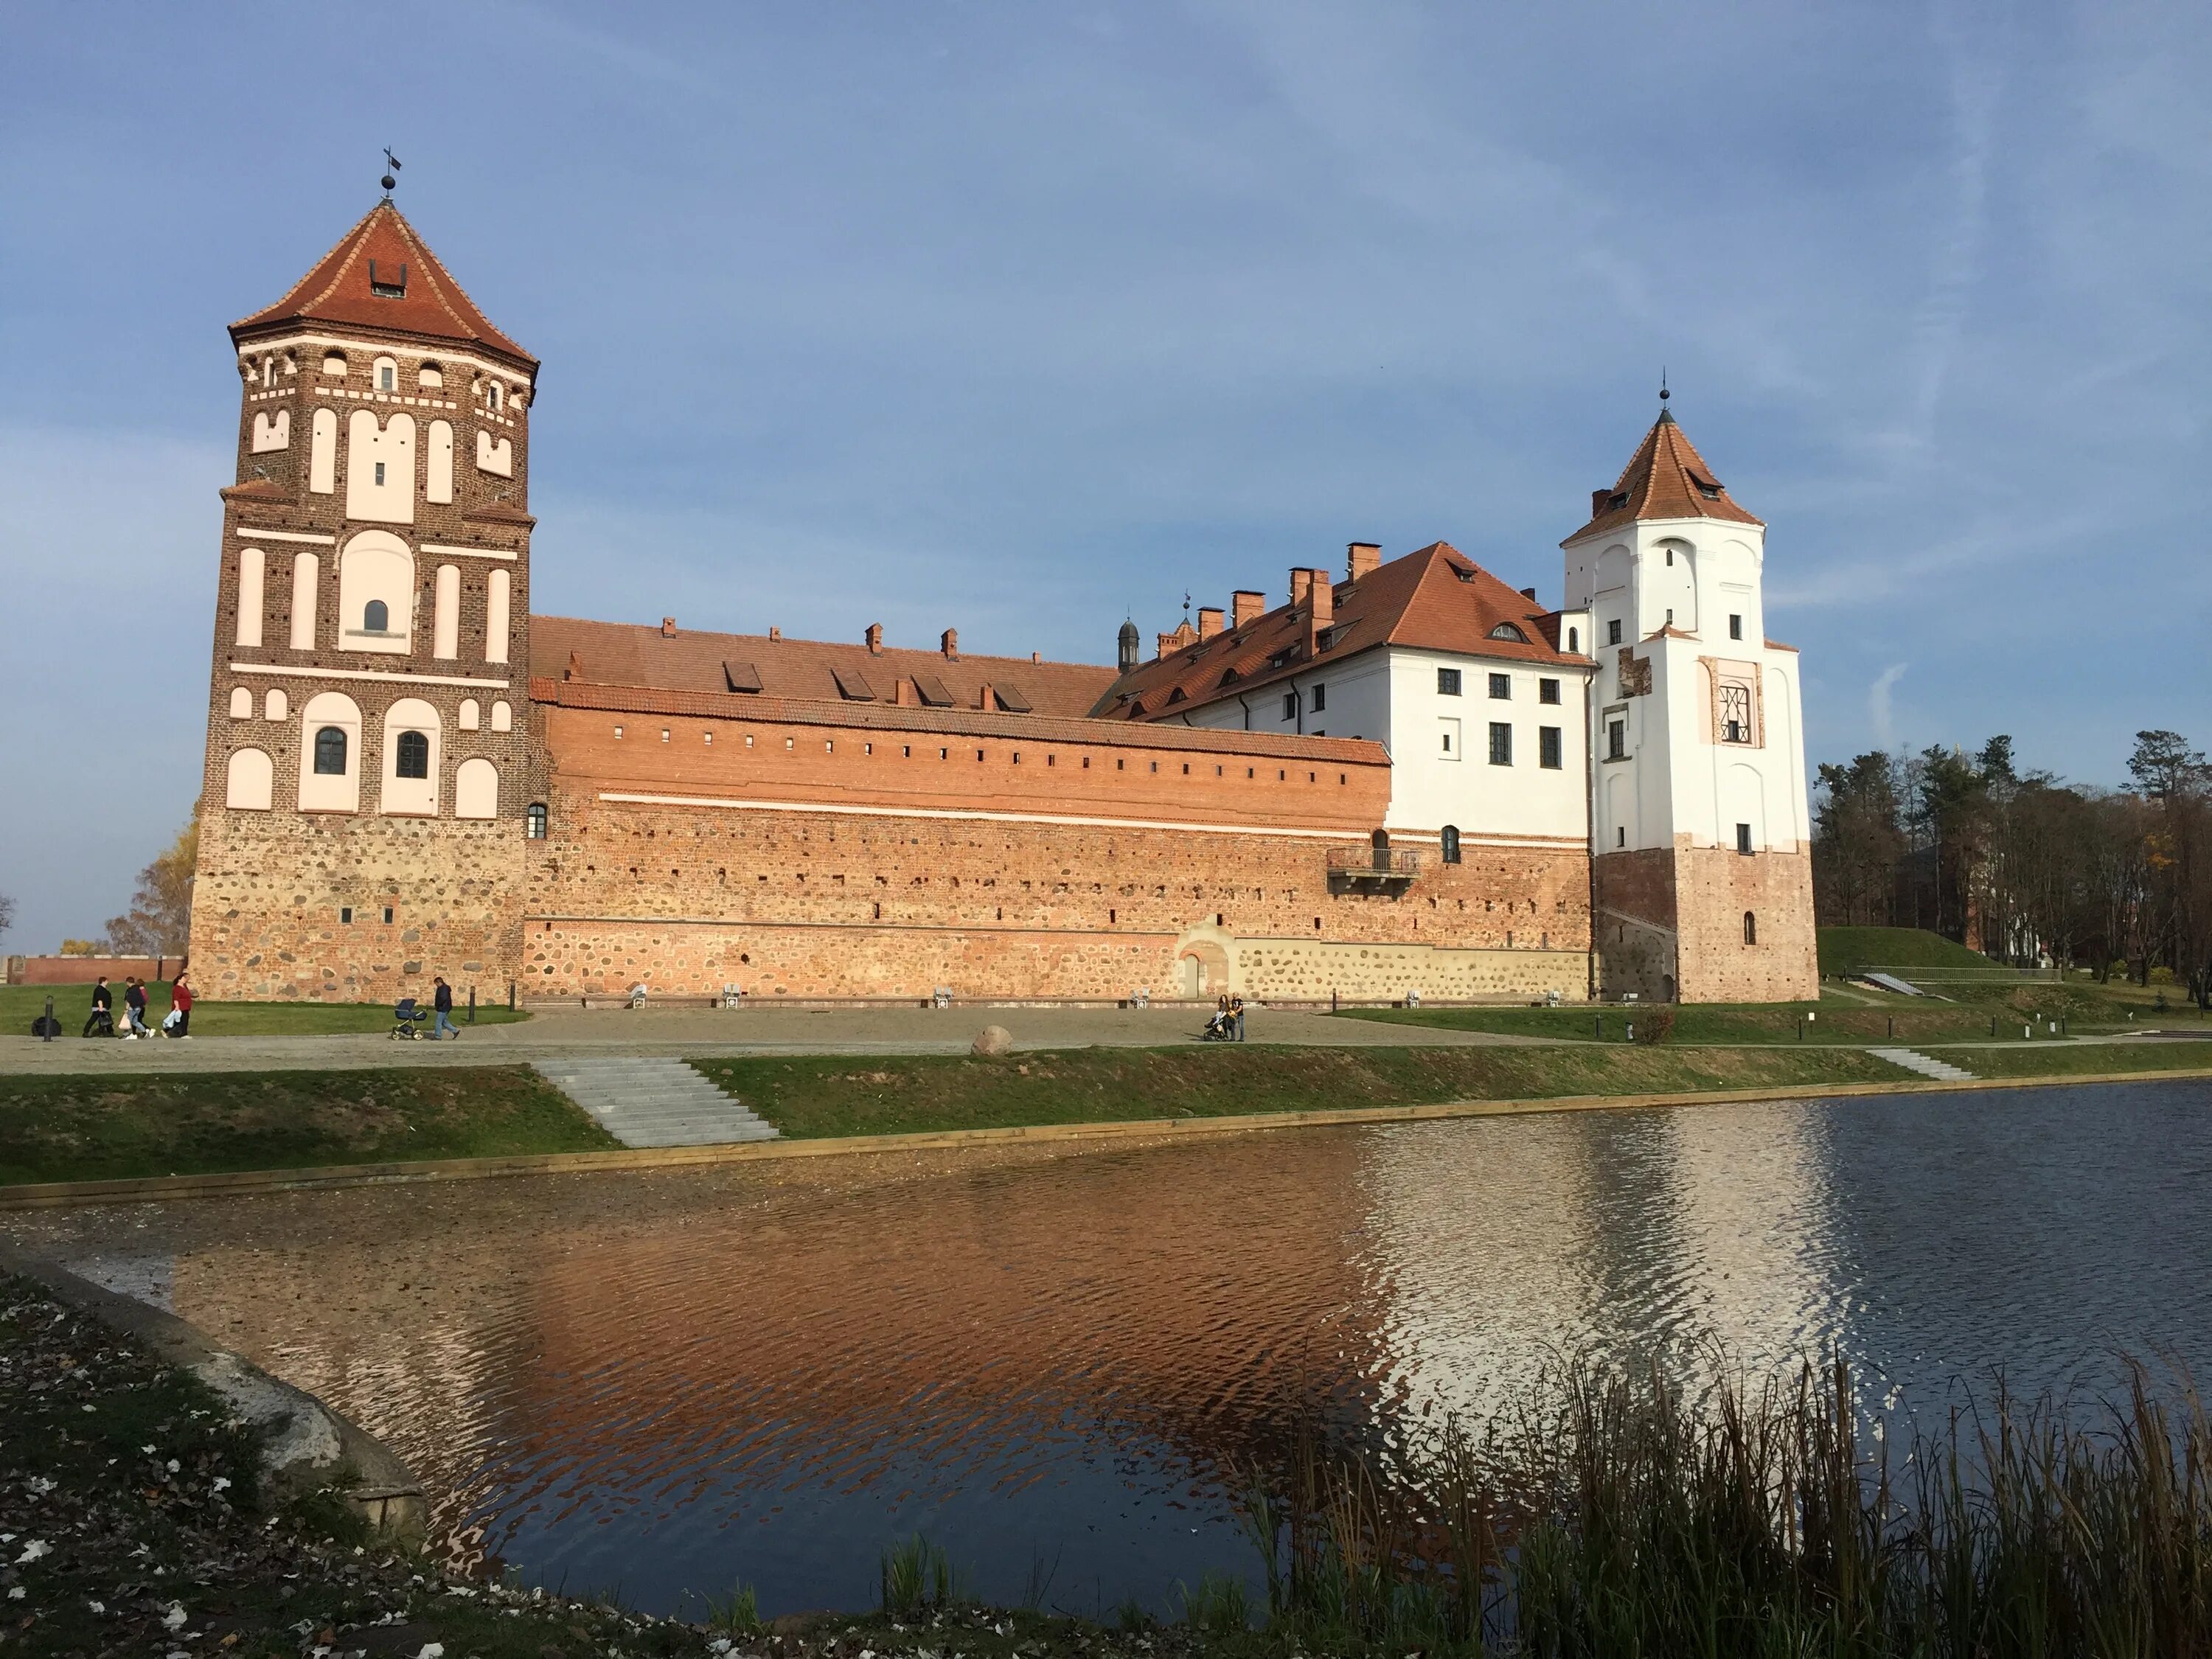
[[1409, 777]]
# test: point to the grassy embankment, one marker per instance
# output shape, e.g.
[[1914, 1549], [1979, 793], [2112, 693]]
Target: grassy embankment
[[812, 1097], [22, 1004], [105, 1128]]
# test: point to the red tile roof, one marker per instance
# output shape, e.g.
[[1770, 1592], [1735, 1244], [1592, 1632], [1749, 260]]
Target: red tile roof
[[1666, 478], [634, 655], [337, 291], [1437, 599]]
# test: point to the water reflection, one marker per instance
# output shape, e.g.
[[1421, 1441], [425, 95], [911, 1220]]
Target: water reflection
[[664, 1382]]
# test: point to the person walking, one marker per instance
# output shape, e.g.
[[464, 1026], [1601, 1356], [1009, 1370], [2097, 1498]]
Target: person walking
[[102, 1017], [443, 1003], [134, 1010], [179, 1022]]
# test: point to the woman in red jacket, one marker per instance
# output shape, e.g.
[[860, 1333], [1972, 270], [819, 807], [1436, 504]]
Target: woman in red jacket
[[180, 1005]]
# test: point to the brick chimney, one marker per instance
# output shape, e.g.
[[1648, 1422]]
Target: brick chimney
[[984, 700], [668, 628], [773, 633], [1598, 499], [1246, 606], [949, 643], [901, 693], [1361, 559], [1209, 621], [1528, 592], [875, 638], [1321, 612], [1302, 583], [575, 669]]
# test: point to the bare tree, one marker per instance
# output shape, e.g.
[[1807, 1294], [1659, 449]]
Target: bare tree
[[7, 913]]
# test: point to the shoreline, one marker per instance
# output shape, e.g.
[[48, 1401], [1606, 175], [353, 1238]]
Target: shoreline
[[151, 1189]]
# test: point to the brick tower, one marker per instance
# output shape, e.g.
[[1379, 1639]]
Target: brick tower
[[369, 778], [1700, 837]]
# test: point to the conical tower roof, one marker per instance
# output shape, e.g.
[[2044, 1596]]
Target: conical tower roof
[[1666, 478], [383, 276]]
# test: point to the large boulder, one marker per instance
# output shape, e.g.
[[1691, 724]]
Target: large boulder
[[993, 1040]]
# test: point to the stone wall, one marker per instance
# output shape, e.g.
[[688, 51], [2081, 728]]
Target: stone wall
[[268, 906], [883, 860], [1670, 923]]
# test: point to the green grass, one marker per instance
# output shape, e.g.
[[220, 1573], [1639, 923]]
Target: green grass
[[1844, 948], [2060, 1060], [814, 1097], [1836, 1023], [104, 1128], [22, 1004]]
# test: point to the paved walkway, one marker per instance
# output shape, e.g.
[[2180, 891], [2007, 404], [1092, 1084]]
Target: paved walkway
[[576, 1033]]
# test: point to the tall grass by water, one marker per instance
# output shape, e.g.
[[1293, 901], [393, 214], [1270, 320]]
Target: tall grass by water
[[1632, 1519]]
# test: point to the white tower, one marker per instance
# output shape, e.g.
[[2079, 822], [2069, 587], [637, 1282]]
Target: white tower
[[1700, 837]]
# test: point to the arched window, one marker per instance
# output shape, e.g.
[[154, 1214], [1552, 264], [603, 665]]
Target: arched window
[[376, 617], [536, 820], [1750, 928], [330, 752], [1451, 843], [1575, 641], [1507, 631], [414, 756]]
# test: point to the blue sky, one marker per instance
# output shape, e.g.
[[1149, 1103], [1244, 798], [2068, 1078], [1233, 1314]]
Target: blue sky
[[1017, 317]]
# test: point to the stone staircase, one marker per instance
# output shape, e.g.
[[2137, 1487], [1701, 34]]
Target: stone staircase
[[1926, 1065], [642, 1101]]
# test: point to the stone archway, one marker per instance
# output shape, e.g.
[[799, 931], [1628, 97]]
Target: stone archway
[[1206, 960]]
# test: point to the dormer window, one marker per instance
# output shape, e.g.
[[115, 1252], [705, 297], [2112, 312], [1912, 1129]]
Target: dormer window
[[1709, 488], [1615, 502], [1507, 631], [387, 281]]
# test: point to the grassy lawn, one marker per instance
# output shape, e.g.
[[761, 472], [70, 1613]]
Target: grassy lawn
[[22, 1004], [1836, 1023], [1845, 949], [2065, 1060], [814, 1097], [100, 1129]]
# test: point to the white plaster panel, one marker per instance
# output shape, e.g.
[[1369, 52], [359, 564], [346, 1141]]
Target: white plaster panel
[[272, 432], [503, 716], [380, 468], [241, 703], [476, 789], [321, 792], [251, 781], [252, 601], [495, 457], [470, 716], [376, 569], [275, 706], [307, 573], [438, 473], [323, 452], [498, 622], [446, 618], [410, 795]]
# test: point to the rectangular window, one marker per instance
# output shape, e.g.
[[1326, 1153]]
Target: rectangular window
[[1616, 739], [380, 472], [1613, 632], [1549, 748], [1448, 682], [1320, 698], [1290, 705], [1743, 838], [1736, 713], [1547, 690], [1735, 627], [1501, 744], [345, 913], [1448, 733], [1501, 687]]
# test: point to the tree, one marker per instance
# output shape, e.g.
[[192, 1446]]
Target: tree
[[2164, 765], [159, 921], [7, 913], [1857, 843]]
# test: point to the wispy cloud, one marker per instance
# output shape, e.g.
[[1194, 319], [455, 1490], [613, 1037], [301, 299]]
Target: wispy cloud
[[1880, 712]]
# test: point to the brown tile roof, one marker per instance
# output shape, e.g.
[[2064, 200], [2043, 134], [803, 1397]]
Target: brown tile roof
[[1437, 599], [1666, 478], [634, 655], [875, 716], [337, 290]]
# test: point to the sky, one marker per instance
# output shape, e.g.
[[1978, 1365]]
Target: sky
[[1024, 317]]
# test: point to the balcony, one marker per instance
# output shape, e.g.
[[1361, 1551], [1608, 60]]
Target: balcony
[[1372, 870]]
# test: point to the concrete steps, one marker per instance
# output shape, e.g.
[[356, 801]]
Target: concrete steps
[[1926, 1065], [645, 1101]]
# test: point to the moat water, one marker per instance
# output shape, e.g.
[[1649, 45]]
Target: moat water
[[659, 1385]]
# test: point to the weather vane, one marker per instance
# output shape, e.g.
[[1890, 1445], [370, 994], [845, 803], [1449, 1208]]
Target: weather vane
[[1662, 380], [391, 167]]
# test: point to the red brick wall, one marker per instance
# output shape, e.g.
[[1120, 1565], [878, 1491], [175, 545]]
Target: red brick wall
[[1674, 916]]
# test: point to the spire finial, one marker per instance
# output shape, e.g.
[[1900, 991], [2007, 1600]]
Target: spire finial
[[390, 167], [1663, 393]]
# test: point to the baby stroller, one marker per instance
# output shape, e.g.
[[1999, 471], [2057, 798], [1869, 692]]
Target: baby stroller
[[1220, 1027], [407, 1020]]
